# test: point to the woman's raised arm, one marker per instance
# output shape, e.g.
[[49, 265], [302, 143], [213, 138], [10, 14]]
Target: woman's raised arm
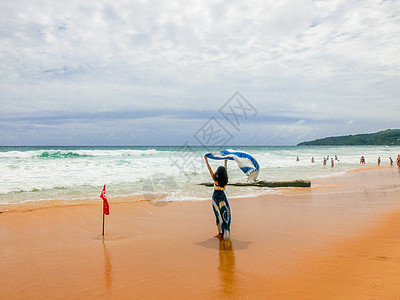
[[209, 168]]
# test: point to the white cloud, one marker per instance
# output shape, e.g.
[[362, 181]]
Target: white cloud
[[319, 60]]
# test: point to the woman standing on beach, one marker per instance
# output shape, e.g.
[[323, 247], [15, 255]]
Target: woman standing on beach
[[220, 203]]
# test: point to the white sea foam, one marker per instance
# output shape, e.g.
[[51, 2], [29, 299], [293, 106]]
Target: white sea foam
[[80, 172]]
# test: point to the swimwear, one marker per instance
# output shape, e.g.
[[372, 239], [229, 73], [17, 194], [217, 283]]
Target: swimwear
[[222, 212]]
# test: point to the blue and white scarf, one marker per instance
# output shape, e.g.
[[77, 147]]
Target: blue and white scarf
[[245, 161]]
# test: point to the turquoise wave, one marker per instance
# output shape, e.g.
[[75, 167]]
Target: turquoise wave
[[60, 154]]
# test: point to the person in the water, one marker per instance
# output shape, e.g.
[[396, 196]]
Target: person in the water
[[220, 203]]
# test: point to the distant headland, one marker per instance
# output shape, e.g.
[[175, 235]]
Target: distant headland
[[385, 137]]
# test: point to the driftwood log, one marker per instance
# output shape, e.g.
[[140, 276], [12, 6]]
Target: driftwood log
[[272, 184]]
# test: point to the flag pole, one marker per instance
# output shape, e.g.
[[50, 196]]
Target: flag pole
[[103, 226]]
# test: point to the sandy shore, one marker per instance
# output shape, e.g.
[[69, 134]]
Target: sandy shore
[[339, 239]]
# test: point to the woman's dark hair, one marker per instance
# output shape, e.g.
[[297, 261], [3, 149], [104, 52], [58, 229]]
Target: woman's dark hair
[[221, 176]]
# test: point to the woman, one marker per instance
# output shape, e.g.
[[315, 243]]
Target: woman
[[220, 204]]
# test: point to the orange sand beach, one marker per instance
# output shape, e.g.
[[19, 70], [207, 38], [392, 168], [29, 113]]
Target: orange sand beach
[[339, 239]]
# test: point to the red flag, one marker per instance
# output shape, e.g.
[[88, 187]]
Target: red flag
[[106, 207]]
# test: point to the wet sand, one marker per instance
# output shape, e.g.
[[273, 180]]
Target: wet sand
[[339, 239]]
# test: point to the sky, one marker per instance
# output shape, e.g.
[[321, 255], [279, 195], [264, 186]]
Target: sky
[[170, 72]]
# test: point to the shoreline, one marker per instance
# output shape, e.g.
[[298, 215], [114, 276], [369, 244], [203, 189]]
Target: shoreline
[[40, 204], [338, 239]]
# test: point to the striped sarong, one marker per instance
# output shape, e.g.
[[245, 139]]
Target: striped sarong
[[222, 213]]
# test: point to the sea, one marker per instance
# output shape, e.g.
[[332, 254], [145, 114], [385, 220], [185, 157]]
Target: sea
[[160, 174]]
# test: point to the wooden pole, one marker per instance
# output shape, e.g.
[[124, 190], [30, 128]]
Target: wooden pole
[[103, 225]]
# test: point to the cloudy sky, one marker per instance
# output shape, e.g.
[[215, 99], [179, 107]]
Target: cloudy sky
[[155, 72]]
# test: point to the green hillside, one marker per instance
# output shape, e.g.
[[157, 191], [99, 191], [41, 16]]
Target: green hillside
[[386, 137]]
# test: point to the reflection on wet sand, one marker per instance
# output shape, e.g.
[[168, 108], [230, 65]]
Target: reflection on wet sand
[[107, 266], [227, 266], [226, 269]]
